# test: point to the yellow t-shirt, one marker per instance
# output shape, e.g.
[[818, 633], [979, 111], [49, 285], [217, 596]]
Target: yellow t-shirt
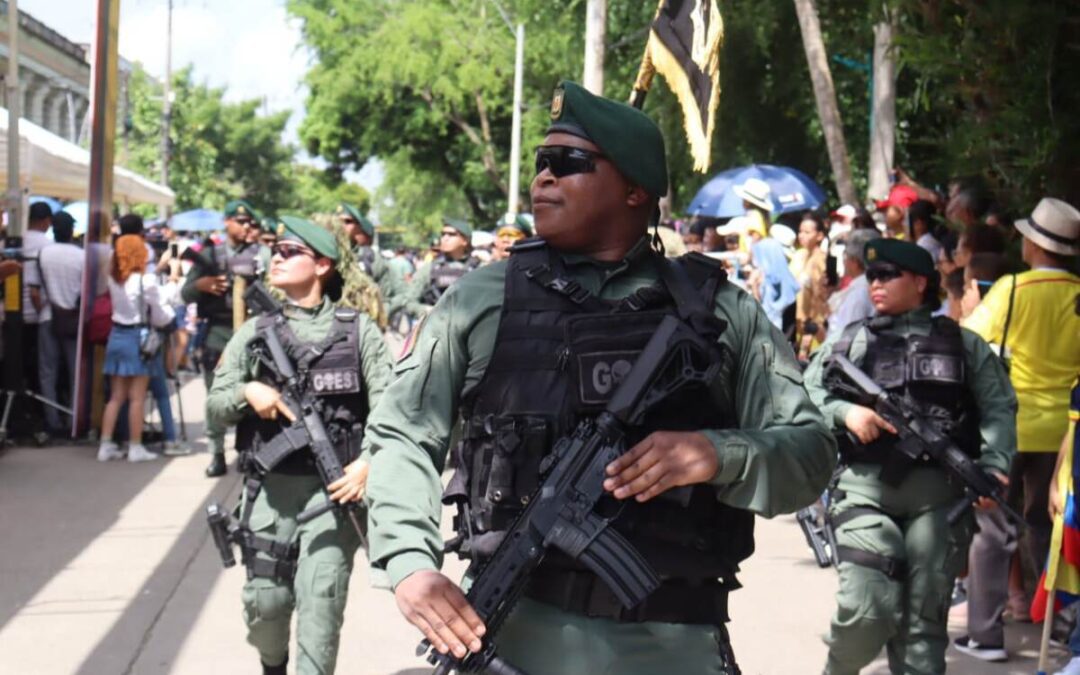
[[1043, 345]]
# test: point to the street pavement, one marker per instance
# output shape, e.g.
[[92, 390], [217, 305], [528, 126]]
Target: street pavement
[[108, 569]]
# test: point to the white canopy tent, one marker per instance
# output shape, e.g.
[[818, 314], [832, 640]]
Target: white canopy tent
[[50, 165]]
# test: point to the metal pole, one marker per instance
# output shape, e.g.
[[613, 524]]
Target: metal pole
[[14, 107], [166, 107], [595, 34], [515, 128], [13, 286]]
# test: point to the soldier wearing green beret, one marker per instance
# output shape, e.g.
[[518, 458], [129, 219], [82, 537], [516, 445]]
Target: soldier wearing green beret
[[898, 554], [507, 234], [300, 565], [211, 285], [361, 232], [453, 261], [521, 350]]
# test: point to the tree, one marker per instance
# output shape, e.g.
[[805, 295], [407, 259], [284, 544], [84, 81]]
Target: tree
[[220, 150]]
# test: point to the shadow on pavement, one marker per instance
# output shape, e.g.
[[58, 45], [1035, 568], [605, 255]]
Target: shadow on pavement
[[119, 650], [55, 502]]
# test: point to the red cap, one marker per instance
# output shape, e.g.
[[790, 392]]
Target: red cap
[[901, 196]]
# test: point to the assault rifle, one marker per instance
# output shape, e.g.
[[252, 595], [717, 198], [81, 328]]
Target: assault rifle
[[561, 513], [918, 437], [308, 430]]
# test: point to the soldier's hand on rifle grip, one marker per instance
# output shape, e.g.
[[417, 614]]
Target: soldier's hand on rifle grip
[[664, 460], [984, 503], [436, 605], [350, 487], [866, 424], [212, 285], [266, 401]]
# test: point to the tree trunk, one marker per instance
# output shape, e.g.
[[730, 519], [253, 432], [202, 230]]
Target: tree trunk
[[825, 94], [595, 34], [883, 133]]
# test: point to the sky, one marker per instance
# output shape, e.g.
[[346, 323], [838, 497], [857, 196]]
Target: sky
[[251, 47]]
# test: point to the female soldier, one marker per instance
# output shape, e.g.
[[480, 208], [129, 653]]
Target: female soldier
[[341, 359]]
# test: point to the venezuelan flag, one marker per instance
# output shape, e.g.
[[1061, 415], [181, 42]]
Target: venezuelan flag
[[1062, 573]]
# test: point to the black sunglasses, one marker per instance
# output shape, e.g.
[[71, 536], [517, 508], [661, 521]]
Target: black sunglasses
[[564, 160], [287, 250], [883, 273]]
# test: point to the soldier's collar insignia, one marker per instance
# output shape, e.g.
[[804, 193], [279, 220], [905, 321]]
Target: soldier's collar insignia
[[557, 104]]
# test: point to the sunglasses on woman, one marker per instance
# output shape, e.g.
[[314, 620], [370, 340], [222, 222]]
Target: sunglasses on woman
[[883, 273], [289, 250], [564, 160]]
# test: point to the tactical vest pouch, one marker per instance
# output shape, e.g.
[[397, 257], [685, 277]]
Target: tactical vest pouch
[[601, 350]]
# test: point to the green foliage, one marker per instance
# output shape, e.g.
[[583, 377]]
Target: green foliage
[[318, 191], [986, 87], [223, 150]]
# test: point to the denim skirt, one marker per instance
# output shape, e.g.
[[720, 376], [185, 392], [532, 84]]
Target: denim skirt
[[122, 354]]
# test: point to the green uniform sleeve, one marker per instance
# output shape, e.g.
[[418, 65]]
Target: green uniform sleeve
[[188, 292], [834, 409], [407, 438], [420, 281], [393, 293], [781, 455], [995, 400], [374, 360], [225, 404]]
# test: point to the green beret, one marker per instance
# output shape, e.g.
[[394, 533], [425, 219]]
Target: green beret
[[268, 223], [624, 134], [461, 225], [519, 223], [903, 254], [366, 226], [240, 207], [319, 239]]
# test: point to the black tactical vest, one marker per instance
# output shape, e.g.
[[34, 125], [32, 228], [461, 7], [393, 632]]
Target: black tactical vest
[[331, 370], [927, 370], [559, 355], [444, 273], [217, 261]]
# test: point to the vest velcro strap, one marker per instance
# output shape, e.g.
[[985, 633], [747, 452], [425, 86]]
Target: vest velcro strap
[[272, 547], [893, 568], [685, 602]]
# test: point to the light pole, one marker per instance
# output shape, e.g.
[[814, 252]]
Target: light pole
[[515, 128], [166, 108], [14, 107]]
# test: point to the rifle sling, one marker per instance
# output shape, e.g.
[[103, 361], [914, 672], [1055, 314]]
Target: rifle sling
[[583, 593]]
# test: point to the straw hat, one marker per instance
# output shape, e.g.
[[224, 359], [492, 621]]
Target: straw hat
[[755, 191], [1054, 225]]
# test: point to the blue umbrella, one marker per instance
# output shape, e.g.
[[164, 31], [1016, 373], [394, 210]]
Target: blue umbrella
[[792, 190], [80, 213], [54, 204], [198, 220]]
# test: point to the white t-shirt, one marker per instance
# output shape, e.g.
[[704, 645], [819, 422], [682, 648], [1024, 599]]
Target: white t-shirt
[[931, 245], [33, 242], [155, 301], [62, 269]]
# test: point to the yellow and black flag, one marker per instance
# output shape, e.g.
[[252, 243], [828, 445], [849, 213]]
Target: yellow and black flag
[[684, 46]]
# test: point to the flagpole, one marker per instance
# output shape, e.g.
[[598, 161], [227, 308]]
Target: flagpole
[[643, 81], [1051, 595]]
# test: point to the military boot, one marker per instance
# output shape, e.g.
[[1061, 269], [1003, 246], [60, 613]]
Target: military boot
[[217, 467], [275, 670]]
